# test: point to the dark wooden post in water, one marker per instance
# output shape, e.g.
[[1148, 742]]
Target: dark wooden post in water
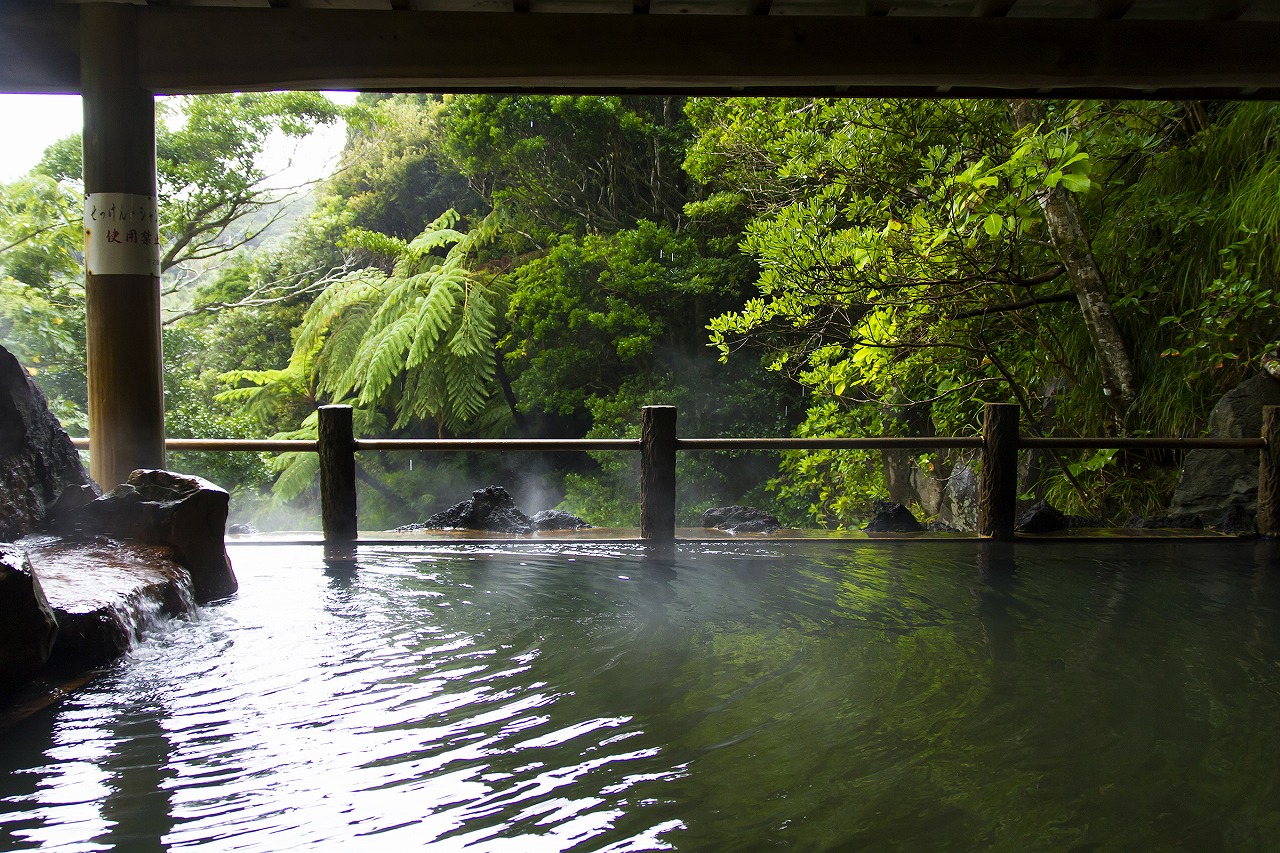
[[122, 255], [1269, 474], [337, 448], [998, 480], [658, 473]]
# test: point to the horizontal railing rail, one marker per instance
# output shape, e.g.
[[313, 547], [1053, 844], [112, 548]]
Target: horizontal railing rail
[[658, 444]]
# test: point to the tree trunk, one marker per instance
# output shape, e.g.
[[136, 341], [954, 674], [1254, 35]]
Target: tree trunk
[[1118, 380]]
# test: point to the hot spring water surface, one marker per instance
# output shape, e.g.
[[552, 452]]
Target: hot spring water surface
[[882, 696]]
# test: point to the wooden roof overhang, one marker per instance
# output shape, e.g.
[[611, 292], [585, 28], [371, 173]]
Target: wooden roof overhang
[[1172, 49]]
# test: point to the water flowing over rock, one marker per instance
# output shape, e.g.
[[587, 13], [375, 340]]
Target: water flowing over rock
[[490, 509], [27, 623], [37, 461], [893, 518], [184, 512], [105, 593], [1215, 481], [554, 519], [740, 519]]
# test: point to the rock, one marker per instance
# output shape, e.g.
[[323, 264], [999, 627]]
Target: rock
[[892, 518], [155, 507], [37, 461], [962, 494], [1213, 481], [27, 624], [1236, 520], [105, 593], [554, 519], [1040, 517], [940, 527], [489, 509], [242, 529], [1043, 517], [741, 519], [1167, 522]]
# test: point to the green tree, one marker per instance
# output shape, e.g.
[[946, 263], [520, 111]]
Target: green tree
[[912, 257]]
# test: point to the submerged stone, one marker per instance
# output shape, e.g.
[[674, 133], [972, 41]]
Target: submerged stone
[[740, 519], [893, 518], [490, 509], [554, 519], [27, 623]]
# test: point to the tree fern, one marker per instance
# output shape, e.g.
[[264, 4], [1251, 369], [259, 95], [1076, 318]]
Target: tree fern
[[419, 340]]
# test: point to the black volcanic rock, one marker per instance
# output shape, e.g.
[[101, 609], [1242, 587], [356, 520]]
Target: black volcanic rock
[[893, 518], [740, 519], [490, 509], [1043, 517], [554, 519]]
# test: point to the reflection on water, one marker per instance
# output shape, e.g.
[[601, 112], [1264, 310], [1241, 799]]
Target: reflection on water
[[877, 696]]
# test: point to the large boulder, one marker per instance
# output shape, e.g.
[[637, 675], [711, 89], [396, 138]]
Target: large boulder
[[1215, 481], [37, 460], [27, 624], [740, 519], [491, 509], [184, 512]]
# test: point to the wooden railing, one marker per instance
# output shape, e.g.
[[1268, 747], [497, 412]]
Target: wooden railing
[[659, 443]]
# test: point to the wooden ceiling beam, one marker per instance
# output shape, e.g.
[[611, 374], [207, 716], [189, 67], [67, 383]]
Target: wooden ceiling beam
[[209, 49]]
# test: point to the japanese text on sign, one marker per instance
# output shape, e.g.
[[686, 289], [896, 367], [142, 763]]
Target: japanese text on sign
[[121, 234]]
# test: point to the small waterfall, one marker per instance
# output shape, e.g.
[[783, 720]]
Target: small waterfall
[[106, 594]]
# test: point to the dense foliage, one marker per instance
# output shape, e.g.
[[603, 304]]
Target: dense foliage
[[544, 266]]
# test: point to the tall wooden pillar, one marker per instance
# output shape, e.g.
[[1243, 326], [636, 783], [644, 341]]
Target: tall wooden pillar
[[126, 387]]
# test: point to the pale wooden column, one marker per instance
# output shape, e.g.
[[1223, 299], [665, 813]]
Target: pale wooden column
[[126, 387]]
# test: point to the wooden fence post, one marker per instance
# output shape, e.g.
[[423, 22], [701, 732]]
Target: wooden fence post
[[998, 480], [658, 473], [337, 448], [1269, 474]]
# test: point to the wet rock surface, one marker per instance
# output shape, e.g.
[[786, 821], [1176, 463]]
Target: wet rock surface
[[183, 512], [103, 592], [28, 626], [554, 519], [892, 518], [740, 519], [37, 461]]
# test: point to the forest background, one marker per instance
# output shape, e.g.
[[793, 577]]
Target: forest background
[[544, 266]]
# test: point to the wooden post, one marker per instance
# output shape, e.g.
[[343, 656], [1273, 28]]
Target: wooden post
[[1268, 519], [337, 448], [658, 473], [998, 481], [122, 281]]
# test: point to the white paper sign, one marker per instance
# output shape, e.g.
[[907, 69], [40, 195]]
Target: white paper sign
[[121, 234]]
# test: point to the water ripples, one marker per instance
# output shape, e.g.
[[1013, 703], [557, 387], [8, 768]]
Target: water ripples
[[588, 697]]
